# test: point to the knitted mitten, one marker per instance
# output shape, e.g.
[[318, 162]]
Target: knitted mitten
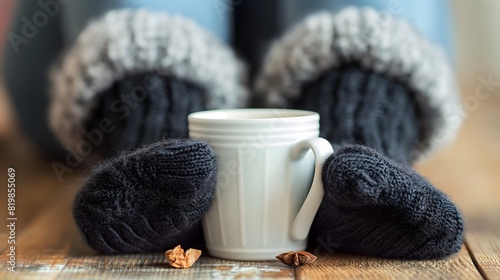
[[148, 200], [375, 83], [130, 80]]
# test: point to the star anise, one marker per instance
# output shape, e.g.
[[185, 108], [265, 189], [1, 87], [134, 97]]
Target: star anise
[[296, 258], [177, 258]]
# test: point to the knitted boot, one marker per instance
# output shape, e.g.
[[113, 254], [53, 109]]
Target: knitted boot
[[377, 84], [130, 80]]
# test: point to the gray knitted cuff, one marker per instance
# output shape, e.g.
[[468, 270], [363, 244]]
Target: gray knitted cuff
[[126, 42], [376, 41]]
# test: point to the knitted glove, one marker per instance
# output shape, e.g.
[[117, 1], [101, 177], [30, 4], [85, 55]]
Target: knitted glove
[[130, 80], [376, 83]]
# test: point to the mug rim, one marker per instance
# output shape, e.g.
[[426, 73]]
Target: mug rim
[[244, 115]]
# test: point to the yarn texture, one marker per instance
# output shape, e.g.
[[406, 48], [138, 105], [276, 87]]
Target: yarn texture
[[145, 114], [148, 200], [378, 43], [357, 106], [378, 207], [129, 42], [385, 98]]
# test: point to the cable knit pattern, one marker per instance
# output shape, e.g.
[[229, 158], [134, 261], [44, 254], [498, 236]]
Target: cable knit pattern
[[375, 206], [363, 107], [127, 42], [377, 42], [160, 111], [148, 200]]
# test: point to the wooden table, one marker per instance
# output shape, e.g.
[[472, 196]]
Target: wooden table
[[48, 245]]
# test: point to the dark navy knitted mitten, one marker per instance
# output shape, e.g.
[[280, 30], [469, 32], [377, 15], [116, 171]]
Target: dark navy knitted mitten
[[381, 87], [148, 200], [376, 206]]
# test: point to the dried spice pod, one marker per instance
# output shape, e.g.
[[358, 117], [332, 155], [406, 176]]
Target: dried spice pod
[[296, 258], [177, 258]]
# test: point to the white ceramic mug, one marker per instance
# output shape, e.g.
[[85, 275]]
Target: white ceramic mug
[[269, 182]]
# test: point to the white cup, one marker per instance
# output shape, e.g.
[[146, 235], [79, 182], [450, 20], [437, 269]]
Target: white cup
[[269, 182]]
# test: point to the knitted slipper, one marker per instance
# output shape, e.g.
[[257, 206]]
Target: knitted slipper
[[110, 73], [148, 200]]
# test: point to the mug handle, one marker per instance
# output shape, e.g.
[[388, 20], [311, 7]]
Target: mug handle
[[322, 149]]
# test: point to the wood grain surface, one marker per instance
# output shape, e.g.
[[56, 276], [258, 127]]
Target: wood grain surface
[[49, 245], [483, 242], [340, 266], [52, 246]]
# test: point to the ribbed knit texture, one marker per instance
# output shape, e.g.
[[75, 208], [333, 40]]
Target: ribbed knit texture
[[125, 42], [362, 107], [148, 200], [383, 44], [376, 206], [144, 109], [153, 198]]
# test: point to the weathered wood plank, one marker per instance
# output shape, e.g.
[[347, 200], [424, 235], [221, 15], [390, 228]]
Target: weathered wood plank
[[53, 247], [50, 247], [342, 266], [36, 185], [483, 242], [147, 266], [151, 266], [43, 245], [485, 250]]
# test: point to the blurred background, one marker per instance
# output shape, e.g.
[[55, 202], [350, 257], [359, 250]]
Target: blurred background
[[467, 169]]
